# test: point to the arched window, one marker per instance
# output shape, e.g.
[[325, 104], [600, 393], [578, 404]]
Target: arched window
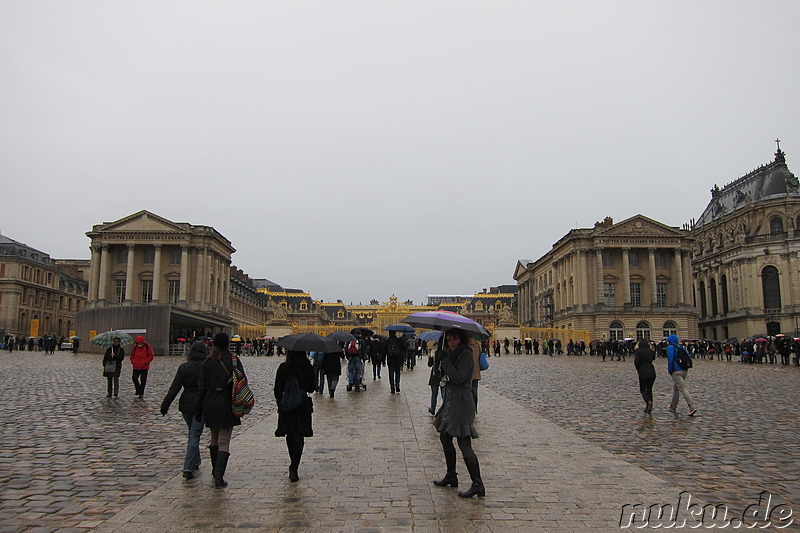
[[643, 330], [616, 331], [712, 287], [723, 288], [340, 314], [670, 328], [719, 240], [699, 248], [776, 225], [498, 306], [703, 307], [479, 306], [770, 282], [304, 306]]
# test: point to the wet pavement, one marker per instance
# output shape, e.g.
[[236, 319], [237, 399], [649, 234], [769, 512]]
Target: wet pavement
[[563, 446]]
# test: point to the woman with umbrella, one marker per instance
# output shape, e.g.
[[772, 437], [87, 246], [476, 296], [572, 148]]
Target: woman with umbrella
[[295, 423], [456, 417], [112, 365]]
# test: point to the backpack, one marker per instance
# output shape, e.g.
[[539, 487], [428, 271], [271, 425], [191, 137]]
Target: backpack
[[682, 358], [394, 351], [352, 348], [242, 399], [292, 396]]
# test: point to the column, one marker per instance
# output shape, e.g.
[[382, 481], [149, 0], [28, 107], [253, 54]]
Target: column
[[687, 278], [103, 282], [584, 277], [129, 276], [678, 275], [156, 273], [224, 278], [598, 253], [626, 276], [208, 277], [651, 252], [200, 280], [94, 283], [184, 274]]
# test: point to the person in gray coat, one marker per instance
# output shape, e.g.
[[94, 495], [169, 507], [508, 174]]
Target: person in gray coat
[[456, 417], [186, 379], [643, 358]]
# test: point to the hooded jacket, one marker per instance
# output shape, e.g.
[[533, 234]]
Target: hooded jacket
[[186, 379], [141, 355], [672, 352]]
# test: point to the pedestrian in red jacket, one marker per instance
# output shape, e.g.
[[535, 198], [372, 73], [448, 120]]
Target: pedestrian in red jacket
[[141, 355]]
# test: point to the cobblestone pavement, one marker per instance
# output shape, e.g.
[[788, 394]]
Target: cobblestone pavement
[[743, 440], [563, 446]]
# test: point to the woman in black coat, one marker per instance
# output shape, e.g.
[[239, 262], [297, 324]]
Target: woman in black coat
[[295, 424], [214, 396], [115, 353], [332, 366], [643, 358]]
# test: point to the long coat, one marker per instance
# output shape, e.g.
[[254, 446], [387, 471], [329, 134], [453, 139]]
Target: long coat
[[214, 392], [186, 378], [118, 357], [457, 414], [297, 422], [332, 364], [643, 361]]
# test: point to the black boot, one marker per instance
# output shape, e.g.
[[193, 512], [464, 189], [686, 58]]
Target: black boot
[[475, 474], [451, 478], [219, 469], [295, 454], [213, 450]]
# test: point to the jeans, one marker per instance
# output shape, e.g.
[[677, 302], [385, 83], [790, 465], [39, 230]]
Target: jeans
[[434, 393], [320, 379], [192, 460], [679, 389], [355, 370], [376, 371], [394, 378], [646, 388], [139, 381], [332, 382]]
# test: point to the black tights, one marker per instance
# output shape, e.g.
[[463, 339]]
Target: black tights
[[295, 445], [646, 388], [464, 444]]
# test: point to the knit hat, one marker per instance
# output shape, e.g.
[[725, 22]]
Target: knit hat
[[221, 340]]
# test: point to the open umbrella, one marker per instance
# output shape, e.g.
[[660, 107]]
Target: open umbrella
[[431, 335], [74, 338], [366, 332], [309, 342], [341, 336], [402, 328], [444, 320], [105, 339]]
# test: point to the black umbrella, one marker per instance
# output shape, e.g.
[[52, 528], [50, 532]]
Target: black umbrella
[[366, 332], [309, 342], [341, 336]]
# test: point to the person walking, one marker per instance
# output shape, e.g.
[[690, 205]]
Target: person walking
[[317, 359], [377, 357], [643, 358], [332, 366], [395, 357], [114, 354], [679, 376], [186, 378], [434, 362], [141, 356], [213, 407], [294, 424], [456, 417]]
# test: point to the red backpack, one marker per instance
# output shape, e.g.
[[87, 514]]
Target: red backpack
[[352, 348]]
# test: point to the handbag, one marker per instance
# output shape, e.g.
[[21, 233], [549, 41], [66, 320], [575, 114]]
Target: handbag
[[292, 396], [483, 362], [242, 398], [110, 367]]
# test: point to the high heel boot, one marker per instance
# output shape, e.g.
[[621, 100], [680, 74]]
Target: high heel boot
[[219, 469], [477, 483], [451, 478]]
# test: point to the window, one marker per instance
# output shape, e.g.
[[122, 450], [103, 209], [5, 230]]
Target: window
[[670, 328], [643, 330], [147, 291], [712, 287], [174, 290], [479, 306], [304, 306], [636, 294], [723, 287], [770, 281], [119, 290], [661, 294], [340, 314], [175, 257], [149, 256], [498, 306], [608, 259], [776, 225], [122, 257], [610, 293], [703, 306], [616, 331], [661, 261], [633, 259]]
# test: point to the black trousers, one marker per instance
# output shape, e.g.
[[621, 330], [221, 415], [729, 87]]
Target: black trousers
[[646, 388], [139, 381]]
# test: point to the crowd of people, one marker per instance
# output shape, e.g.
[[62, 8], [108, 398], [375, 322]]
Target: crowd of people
[[43, 343]]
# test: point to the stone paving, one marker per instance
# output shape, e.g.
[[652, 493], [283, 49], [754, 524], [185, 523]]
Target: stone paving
[[564, 446]]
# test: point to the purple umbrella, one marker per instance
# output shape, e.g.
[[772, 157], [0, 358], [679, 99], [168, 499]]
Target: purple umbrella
[[444, 320]]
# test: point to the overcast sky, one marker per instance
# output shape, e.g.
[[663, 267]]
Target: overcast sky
[[360, 149]]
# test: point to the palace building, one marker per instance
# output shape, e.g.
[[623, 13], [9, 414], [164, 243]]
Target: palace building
[[626, 280], [746, 265]]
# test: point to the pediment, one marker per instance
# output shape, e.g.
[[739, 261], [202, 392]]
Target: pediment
[[522, 267], [637, 226], [143, 221]]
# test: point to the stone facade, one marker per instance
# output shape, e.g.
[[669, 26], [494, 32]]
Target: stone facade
[[630, 279], [38, 295], [746, 264]]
